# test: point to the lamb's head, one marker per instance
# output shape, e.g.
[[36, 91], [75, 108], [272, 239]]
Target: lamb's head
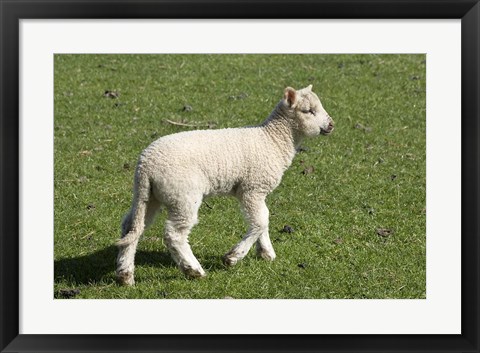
[[307, 113]]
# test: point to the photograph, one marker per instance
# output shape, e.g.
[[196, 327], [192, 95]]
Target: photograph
[[240, 176]]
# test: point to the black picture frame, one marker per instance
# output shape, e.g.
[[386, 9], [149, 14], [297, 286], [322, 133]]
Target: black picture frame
[[13, 11]]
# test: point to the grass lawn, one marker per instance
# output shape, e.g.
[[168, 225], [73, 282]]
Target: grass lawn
[[355, 199]]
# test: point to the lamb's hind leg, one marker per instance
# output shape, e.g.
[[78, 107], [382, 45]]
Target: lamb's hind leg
[[126, 252], [181, 219], [265, 247], [256, 214]]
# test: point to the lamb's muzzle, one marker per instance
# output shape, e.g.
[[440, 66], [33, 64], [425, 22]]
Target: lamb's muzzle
[[328, 130], [178, 171]]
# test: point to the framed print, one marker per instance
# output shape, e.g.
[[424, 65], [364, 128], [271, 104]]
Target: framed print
[[346, 132]]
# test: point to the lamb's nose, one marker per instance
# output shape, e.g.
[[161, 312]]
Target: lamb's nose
[[330, 126]]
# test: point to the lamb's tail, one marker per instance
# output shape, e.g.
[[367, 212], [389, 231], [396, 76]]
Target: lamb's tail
[[134, 222]]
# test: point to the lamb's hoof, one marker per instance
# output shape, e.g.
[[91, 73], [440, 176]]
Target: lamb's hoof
[[191, 272], [269, 256], [229, 260], [125, 278]]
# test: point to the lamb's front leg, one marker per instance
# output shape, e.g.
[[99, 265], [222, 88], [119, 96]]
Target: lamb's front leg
[[256, 214]]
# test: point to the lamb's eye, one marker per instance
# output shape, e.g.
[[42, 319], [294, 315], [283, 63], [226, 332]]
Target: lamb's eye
[[311, 111]]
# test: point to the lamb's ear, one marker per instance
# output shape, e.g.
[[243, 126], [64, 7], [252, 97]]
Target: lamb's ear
[[290, 96], [309, 88]]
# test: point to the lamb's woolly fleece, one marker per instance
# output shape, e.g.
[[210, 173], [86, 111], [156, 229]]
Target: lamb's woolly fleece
[[186, 166]]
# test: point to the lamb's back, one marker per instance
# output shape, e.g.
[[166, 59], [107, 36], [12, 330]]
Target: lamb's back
[[219, 159]]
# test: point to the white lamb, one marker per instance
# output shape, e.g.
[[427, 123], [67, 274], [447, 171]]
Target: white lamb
[[177, 171]]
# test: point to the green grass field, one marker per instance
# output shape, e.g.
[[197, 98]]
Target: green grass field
[[355, 199]]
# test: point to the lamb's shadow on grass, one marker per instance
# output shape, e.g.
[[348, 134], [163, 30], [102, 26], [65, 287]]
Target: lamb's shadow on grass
[[100, 265], [212, 263]]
